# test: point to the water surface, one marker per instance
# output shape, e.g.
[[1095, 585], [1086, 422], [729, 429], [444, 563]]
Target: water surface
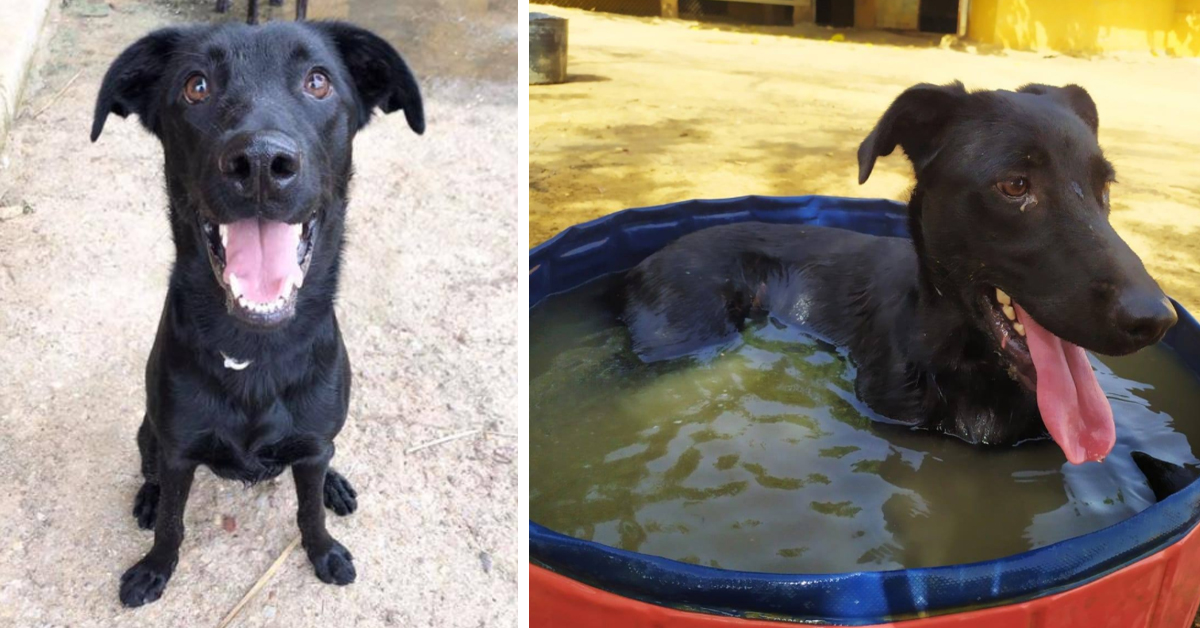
[[757, 456]]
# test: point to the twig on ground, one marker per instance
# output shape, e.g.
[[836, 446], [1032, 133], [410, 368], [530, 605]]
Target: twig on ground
[[58, 95], [444, 439], [501, 434], [262, 582]]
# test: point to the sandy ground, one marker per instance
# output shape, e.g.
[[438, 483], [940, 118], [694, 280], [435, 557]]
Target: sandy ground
[[428, 316], [660, 111]]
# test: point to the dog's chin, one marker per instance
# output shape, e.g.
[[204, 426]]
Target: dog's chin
[[1009, 336], [259, 316]]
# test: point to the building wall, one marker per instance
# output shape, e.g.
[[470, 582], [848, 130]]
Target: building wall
[[898, 14], [1089, 26]]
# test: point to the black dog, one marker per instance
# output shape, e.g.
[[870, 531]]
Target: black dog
[[1165, 478], [1010, 206], [248, 374]]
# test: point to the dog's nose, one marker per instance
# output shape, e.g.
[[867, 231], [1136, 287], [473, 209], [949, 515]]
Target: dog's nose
[[1144, 318], [260, 165]]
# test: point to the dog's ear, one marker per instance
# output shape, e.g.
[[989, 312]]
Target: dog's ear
[[130, 84], [1072, 97], [380, 76], [913, 122]]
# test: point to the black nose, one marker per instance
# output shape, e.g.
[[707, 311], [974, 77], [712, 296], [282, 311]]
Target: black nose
[[260, 165], [1144, 318]]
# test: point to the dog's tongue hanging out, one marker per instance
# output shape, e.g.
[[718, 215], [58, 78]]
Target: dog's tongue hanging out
[[1073, 406], [262, 255]]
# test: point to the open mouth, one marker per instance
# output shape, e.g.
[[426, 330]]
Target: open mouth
[[1073, 407], [261, 264]]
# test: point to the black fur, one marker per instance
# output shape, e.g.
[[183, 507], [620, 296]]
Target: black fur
[[1165, 478], [918, 317], [285, 409]]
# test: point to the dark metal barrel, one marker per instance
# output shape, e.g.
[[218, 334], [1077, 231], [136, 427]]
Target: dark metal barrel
[[547, 49]]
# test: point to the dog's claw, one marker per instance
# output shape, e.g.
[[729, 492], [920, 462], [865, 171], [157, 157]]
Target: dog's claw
[[145, 506], [335, 566], [143, 583], [340, 497]]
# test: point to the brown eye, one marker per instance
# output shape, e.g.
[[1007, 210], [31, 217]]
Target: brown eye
[[1015, 187], [317, 84], [195, 90]]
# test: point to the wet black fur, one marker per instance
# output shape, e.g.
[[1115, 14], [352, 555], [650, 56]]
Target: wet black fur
[[285, 409], [912, 313], [1165, 478]]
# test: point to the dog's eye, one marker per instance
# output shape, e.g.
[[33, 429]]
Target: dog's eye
[[1015, 187], [195, 90], [317, 84]]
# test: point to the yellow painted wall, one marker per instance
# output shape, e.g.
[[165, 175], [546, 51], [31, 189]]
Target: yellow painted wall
[[1089, 26]]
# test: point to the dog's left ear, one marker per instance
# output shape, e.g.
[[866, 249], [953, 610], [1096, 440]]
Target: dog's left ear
[[380, 76], [129, 85], [913, 121], [1072, 97]]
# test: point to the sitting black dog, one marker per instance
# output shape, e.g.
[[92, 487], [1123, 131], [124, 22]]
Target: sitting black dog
[[248, 374], [977, 326]]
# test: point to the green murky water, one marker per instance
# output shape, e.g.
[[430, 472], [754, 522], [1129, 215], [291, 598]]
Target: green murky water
[[757, 456]]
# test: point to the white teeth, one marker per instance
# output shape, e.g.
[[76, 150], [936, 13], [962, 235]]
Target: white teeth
[[235, 286], [1010, 313], [224, 229], [1003, 298], [298, 230], [1020, 328]]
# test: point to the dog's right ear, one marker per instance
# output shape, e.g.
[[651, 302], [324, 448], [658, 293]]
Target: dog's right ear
[[913, 122], [129, 85]]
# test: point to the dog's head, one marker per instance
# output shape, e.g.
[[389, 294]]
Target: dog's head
[[256, 125], [1010, 220]]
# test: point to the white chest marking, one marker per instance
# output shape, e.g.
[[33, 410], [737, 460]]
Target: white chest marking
[[235, 364]]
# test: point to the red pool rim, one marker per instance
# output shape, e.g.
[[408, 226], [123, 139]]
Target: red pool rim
[[1037, 580]]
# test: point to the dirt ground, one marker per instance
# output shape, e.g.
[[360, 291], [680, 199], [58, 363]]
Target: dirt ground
[[659, 111], [426, 308]]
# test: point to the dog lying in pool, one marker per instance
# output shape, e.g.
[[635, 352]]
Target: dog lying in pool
[[978, 326], [249, 375]]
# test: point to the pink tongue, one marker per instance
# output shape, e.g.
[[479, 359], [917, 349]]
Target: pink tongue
[[262, 254], [1073, 407]]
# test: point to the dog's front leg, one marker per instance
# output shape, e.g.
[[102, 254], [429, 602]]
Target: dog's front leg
[[145, 581], [330, 559]]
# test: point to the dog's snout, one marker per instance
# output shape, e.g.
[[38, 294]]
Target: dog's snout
[[1143, 318], [260, 165]]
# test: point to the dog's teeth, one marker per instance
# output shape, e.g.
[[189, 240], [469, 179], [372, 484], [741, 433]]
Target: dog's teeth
[[298, 230], [1002, 297], [235, 286], [1020, 329], [224, 229], [1010, 313]]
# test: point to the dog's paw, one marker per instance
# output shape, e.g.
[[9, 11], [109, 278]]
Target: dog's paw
[[334, 566], [145, 506], [144, 582], [340, 497]]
